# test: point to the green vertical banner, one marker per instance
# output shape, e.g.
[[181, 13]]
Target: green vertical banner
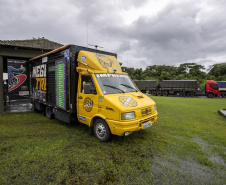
[[60, 83]]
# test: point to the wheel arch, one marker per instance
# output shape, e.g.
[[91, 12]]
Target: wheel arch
[[210, 94], [95, 117]]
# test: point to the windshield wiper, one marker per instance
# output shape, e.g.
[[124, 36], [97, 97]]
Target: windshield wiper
[[129, 87], [113, 87]]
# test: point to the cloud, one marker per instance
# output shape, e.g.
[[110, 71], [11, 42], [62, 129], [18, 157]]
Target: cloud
[[177, 33], [175, 36]]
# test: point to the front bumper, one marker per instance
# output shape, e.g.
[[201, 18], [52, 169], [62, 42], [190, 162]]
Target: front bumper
[[120, 127]]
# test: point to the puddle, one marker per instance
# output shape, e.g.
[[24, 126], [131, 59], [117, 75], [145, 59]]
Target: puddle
[[207, 148], [19, 106], [169, 169]]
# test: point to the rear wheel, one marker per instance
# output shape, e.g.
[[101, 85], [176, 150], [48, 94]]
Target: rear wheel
[[182, 94], [159, 93], [165, 93], [49, 112], [101, 130], [190, 94], [154, 93]]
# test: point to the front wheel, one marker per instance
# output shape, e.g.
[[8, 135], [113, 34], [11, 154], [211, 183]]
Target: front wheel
[[210, 95], [101, 130]]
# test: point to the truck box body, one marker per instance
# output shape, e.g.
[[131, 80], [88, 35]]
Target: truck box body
[[222, 85], [75, 83], [178, 87], [146, 85], [179, 84], [222, 88]]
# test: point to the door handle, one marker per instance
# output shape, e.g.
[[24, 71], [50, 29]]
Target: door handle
[[80, 97]]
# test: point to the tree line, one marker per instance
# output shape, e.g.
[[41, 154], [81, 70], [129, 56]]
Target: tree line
[[186, 71]]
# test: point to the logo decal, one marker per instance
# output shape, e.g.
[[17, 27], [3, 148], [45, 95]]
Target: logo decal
[[104, 61], [127, 101], [16, 82], [88, 104], [82, 118]]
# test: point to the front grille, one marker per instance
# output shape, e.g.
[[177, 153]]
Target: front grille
[[146, 111], [144, 121]]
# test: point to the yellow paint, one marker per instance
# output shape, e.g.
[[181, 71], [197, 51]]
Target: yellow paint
[[41, 84], [98, 62], [110, 107]]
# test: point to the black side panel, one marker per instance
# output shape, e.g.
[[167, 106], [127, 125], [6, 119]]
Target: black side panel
[[38, 80], [64, 116], [43, 78], [51, 84]]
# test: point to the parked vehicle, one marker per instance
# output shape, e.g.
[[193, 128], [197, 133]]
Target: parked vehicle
[[147, 85], [222, 88], [182, 88], [211, 89], [75, 83], [178, 87]]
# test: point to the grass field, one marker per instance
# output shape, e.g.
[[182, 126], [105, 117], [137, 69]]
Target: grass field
[[187, 145]]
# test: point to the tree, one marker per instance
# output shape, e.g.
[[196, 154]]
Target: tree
[[218, 71]]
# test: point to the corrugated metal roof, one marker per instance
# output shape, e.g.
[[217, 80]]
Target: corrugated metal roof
[[40, 43]]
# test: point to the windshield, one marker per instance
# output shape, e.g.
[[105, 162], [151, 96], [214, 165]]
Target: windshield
[[214, 86], [115, 83]]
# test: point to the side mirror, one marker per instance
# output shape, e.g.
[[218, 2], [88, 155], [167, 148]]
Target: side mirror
[[89, 89]]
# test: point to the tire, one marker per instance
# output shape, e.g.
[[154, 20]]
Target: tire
[[182, 94], [154, 93], [49, 112], [192, 94], [165, 93], [210, 95], [159, 93], [101, 130], [44, 112]]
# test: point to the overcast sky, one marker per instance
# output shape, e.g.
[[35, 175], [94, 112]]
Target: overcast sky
[[141, 32]]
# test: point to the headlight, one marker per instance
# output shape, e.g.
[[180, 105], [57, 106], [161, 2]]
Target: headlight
[[128, 115], [155, 107]]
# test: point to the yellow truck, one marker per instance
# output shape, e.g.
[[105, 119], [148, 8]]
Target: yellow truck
[[75, 83]]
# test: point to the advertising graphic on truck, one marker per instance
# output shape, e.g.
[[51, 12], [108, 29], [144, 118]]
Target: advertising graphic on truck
[[75, 83]]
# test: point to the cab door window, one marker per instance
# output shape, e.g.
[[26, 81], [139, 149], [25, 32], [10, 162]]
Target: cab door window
[[86, 80]]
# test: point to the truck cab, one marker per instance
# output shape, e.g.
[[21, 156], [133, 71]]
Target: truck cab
[[107, 99], [211, 89]]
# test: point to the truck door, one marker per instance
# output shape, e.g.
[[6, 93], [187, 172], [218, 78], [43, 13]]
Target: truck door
[[87, 101]]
